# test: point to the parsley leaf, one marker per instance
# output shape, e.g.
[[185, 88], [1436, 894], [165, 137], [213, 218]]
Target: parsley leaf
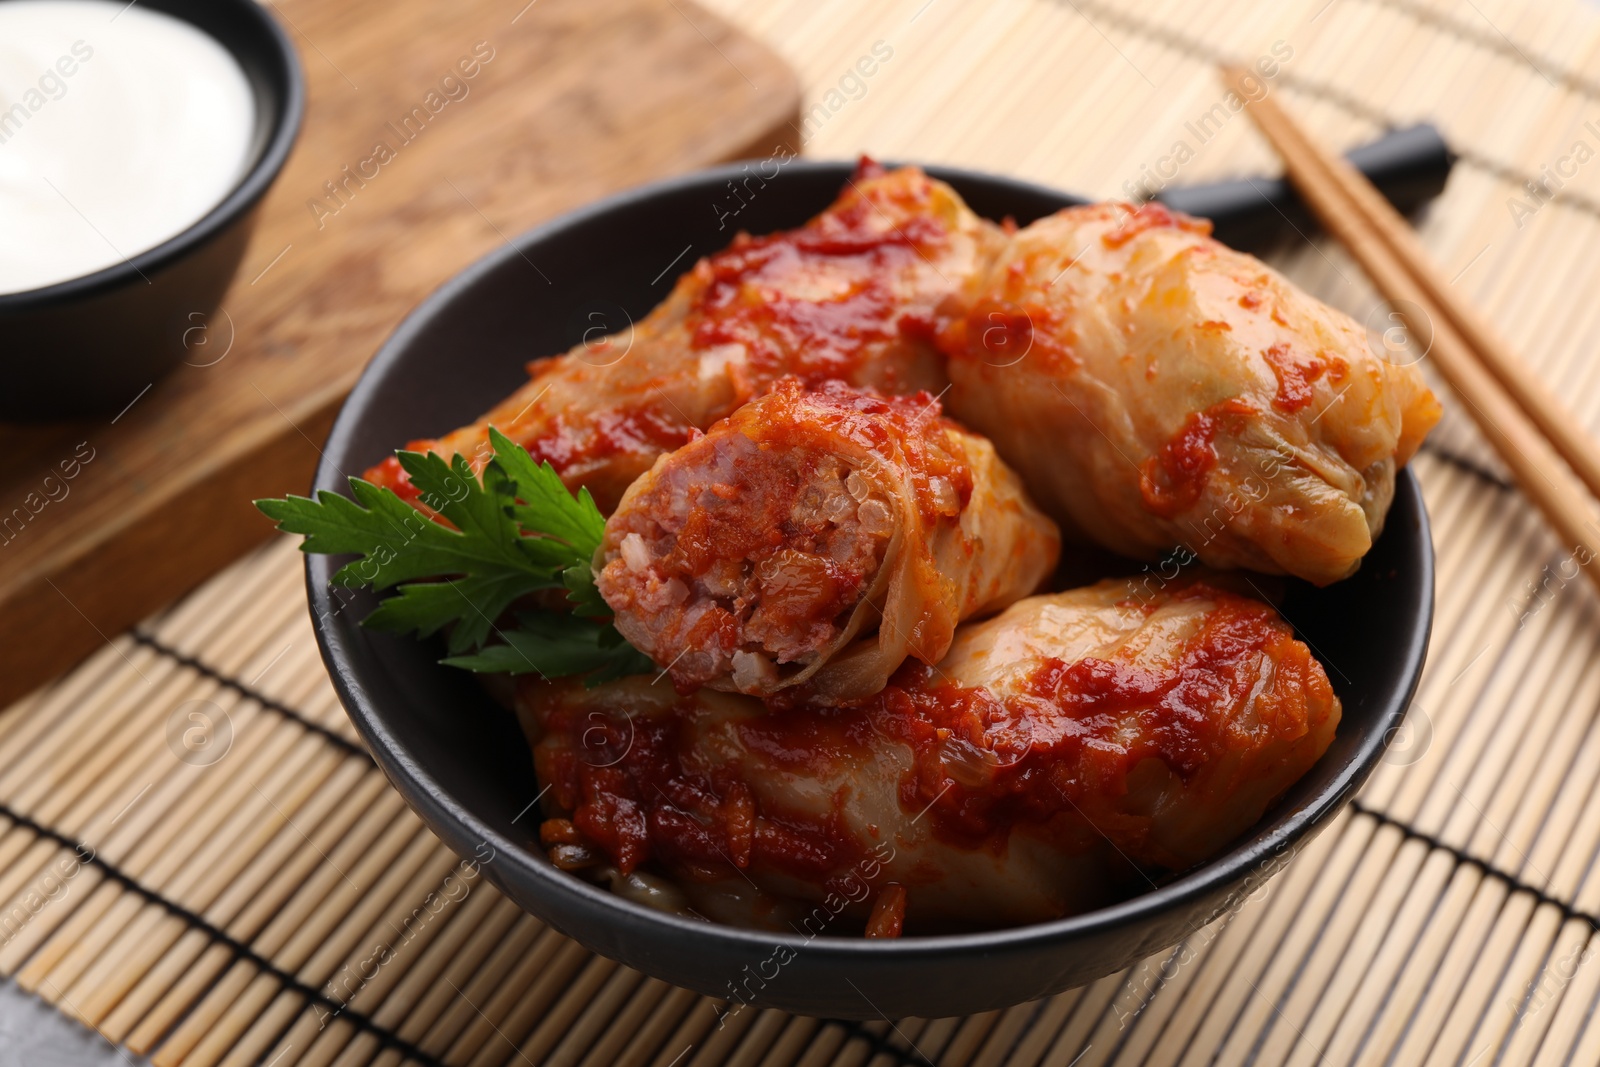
[[546, 505], [582, 594], [516, 530], [547, 644]]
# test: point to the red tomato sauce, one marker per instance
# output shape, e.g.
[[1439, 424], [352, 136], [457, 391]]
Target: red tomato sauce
[[908, 432], [851, 254], [1153, 215], [852, 250], [632, 793], [1058, 745], [1296, 376], [390, 475], [606, 433], [1172, 480], [1063, 743], [761, 568]]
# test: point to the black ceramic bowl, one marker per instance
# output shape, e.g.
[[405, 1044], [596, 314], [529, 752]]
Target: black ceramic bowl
[[462, 764], [89, 345]]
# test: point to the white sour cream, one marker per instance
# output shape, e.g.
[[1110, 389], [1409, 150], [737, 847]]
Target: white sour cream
[[119, 128]]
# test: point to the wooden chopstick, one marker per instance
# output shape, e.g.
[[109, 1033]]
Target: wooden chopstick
[[1555, 421], [1519, 416]]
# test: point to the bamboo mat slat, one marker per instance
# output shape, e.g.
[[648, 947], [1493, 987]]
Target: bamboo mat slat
[[198, 858]]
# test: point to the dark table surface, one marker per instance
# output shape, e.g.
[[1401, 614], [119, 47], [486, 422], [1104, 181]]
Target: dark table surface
[[33, 1034]]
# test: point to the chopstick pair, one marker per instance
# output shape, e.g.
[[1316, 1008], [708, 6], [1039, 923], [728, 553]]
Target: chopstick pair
[[1547, 450]]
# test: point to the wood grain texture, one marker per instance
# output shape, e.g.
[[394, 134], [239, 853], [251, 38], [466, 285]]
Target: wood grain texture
[[568, 100]]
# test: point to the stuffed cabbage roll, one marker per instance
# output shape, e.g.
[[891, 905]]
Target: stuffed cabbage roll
[[1061, 755], [1156, 389], [752, 557], [848, 296]]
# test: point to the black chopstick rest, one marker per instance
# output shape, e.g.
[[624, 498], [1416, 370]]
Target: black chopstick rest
[[1409, 166]]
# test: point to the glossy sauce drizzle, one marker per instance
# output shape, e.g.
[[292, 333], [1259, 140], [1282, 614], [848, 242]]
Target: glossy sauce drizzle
[[1060, 743], [1172, 480], [1153, 215], [1296, 376], [1064, 741]]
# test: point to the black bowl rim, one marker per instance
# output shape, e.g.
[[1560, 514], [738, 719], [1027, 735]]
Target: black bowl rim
[[465, 833], [245, 194]]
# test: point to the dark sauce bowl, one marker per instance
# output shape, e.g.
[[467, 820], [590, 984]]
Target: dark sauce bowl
[[89, 345], [462, 764]]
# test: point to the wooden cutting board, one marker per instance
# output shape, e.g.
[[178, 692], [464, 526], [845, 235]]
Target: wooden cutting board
[[571, 100]]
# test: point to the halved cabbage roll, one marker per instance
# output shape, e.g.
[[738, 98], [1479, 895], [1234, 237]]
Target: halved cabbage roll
[[850, 295], [752, 557], [1157, 389], [1061, 755]]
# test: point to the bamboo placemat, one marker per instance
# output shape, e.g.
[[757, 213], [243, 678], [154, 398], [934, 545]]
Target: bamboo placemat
[[200, 861]]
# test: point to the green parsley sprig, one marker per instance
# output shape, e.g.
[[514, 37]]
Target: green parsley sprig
[[517, 531]]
